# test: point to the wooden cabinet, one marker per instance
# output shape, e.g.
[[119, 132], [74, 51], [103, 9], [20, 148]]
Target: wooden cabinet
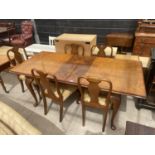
[[120, 39], [144, 37], [86, 40], [143, 43]]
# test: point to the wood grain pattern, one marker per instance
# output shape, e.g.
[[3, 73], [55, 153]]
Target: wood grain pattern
[[126, 75]]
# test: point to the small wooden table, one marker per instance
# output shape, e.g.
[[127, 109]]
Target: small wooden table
[[126, 75], [3, 29], [138, 129], [4, 64], [86, 40]]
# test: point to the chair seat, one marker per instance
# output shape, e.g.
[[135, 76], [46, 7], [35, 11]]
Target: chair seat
[[102, 99], [65, 90], [22, 77]]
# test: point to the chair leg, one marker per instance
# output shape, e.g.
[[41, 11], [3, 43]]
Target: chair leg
[[28, 83], [3, 86], [38, 91], [45, 105], [83, 115], [79, 98], [61, 112], [104, 119], [150, 89], [22, 84]]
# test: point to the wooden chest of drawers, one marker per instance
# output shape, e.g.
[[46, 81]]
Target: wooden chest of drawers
[[120, 39], [143, 43]]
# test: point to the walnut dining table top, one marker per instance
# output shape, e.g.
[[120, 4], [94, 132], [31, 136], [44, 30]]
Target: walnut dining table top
[[126, 75]]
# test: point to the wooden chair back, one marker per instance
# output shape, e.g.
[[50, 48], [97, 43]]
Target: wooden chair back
[[45, 84], [94, 87], [100, 50], [74, 49], [15, 54]]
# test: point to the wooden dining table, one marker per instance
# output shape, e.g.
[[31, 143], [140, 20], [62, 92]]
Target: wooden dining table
[[125, 75]]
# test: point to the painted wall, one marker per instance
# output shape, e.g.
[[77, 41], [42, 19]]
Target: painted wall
[[101, 27]]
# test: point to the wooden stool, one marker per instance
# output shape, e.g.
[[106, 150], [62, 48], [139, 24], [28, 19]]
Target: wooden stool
[[121, 40]]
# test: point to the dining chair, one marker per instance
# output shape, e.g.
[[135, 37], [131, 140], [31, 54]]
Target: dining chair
[[51, 88], [75, 49], [103, 51], [20, 55], [96, 93]]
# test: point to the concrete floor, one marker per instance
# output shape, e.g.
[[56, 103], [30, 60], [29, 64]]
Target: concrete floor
[[72, 122]]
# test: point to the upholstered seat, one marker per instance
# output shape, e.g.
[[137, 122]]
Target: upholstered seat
[[66, 91], [102, 99], [22, 77], [12, 122]]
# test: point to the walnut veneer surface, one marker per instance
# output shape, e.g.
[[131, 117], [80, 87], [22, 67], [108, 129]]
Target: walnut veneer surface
[[126, 75]]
